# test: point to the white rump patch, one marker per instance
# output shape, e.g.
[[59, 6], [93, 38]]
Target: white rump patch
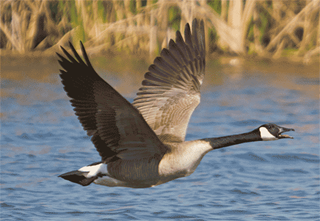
[[266, 135], [95, 169]]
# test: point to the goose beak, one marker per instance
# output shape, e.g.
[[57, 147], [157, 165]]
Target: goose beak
[[283, 130]]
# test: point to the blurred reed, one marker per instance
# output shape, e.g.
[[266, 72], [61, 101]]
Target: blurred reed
[[266, 28]]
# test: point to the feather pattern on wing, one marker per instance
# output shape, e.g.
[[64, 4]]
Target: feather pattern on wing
[[118, 130], [171, 89]]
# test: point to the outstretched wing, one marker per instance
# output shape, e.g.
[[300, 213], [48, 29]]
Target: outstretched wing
[[171, 89], [118, 130]]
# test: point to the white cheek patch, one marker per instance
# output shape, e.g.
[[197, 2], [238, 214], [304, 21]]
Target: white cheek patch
[[266, 135]]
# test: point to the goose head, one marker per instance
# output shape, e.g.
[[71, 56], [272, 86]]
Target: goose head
[[273, 132]]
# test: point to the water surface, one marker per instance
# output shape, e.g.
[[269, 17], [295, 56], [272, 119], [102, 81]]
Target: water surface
[[278, 180]]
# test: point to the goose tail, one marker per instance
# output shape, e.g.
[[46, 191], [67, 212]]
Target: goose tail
[[85, 175], [78, 177]]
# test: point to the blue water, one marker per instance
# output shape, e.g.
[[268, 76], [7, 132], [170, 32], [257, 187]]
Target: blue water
[[276, 180]]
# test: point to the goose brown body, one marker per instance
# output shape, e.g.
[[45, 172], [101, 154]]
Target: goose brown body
[[143, 144]]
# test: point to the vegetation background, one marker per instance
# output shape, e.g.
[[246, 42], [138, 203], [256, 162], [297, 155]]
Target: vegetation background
[[270, 29]]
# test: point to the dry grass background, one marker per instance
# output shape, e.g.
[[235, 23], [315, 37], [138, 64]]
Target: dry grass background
[[270, 28]]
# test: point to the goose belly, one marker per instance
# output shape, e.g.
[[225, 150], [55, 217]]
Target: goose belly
[[109, 181]]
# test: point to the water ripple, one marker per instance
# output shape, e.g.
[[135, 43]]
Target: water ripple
[[41, 138]]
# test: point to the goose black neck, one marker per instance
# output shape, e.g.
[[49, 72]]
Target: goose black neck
[[219, 142]]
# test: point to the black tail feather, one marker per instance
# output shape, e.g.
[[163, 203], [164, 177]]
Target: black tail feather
[[78, 177]]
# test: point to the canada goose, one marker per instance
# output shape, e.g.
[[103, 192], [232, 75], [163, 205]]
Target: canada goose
[[142, 144]]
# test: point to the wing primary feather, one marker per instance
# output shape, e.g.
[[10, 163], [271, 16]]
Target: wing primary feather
[[68, 55], [157, 70], [84, 53], [188, 39], [195, 36], [202, 39], [176, 52], [162, 64], [168, 56], [75, 53], [182, 47]]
